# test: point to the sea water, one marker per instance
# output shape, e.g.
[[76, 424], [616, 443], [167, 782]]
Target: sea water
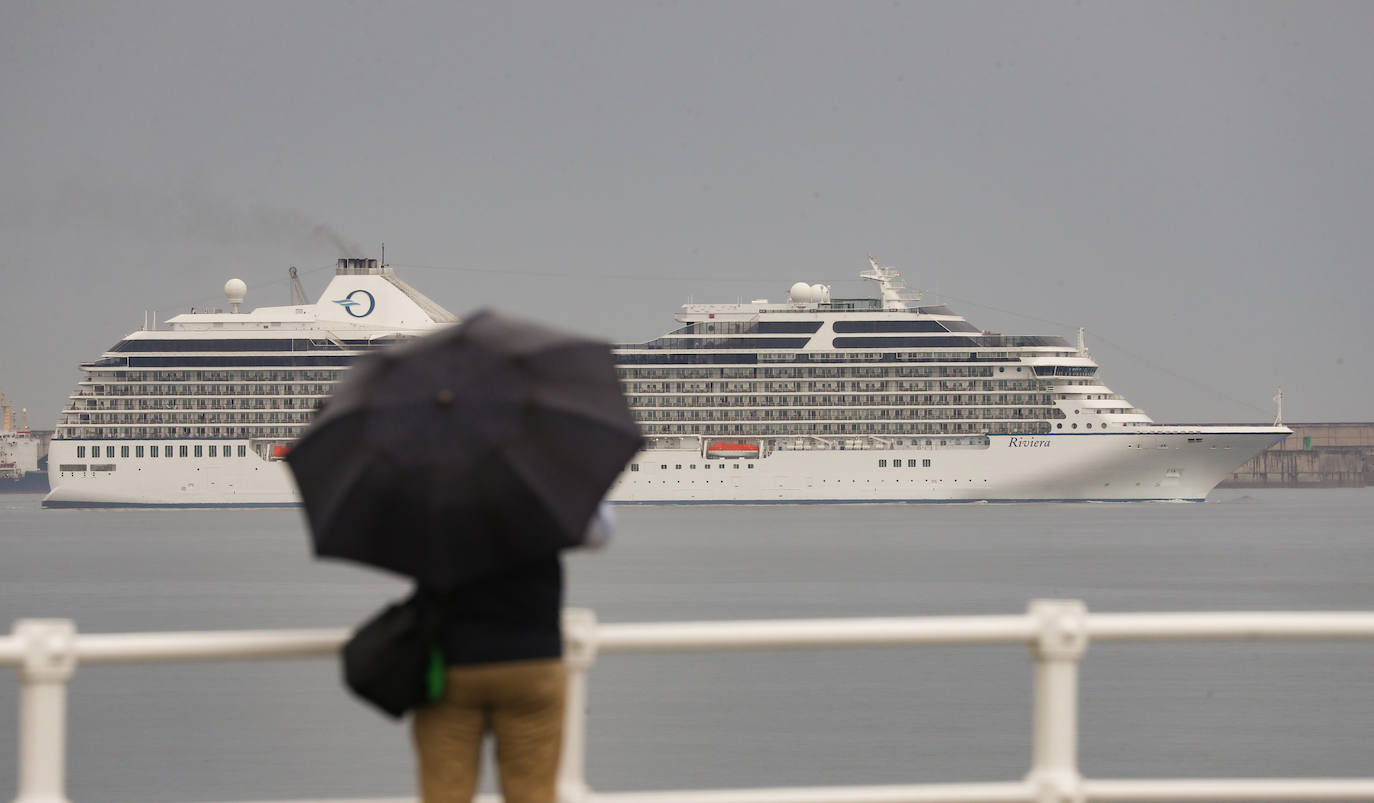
[[287, 729]]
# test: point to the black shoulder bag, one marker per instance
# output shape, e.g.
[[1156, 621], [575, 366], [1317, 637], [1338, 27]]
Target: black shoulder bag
[[393, 660]]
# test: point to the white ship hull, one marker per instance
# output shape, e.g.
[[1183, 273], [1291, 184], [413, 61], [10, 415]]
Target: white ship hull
[[246, 481], [1184, 464], [1165, 463]]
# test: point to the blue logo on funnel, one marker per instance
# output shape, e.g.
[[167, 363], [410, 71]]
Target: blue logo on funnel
[[351, 305]]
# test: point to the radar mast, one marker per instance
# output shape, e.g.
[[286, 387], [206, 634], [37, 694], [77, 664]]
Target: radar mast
[[890, 283]]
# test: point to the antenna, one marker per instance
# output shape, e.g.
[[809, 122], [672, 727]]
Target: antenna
[[1278, 408], [384, 255]]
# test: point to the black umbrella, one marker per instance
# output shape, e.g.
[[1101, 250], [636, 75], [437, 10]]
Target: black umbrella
[[466, 451]]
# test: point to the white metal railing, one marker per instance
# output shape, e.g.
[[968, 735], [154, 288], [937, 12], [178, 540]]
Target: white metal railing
[[47, 651]]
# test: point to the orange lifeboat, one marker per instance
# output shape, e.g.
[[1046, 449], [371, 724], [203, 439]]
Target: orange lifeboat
[[732, 450], [280, 451]]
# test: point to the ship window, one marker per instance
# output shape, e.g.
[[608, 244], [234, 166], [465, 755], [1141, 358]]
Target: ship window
[[182, 450], [198, 451], [925, 463], [138, 451], [243, 451], [634, 467], [212, 450], [123, 451], [227, 449], [664, 466], [109, 451], [751, 465], [896, 464], [882, 464], [911, 464], [852, 327], [678, 466], [81, 451], [167, 450]]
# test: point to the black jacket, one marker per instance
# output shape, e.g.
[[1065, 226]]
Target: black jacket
[[514, 615]]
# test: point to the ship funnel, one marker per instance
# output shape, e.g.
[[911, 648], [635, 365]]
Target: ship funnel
[[349, 266]]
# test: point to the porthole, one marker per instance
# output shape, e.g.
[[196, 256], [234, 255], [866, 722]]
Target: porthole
[[1058, 426], [1075, 426]]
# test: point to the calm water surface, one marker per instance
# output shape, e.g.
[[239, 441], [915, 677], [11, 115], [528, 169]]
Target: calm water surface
[[279, 730]]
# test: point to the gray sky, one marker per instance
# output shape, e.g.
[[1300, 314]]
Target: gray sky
[[1191, 182]]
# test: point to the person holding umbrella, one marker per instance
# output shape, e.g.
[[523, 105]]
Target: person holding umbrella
[[468, 460]]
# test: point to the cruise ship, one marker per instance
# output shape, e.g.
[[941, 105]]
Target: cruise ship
[[808, 399]]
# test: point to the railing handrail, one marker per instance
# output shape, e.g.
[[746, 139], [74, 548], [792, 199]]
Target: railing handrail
[[46, 652], [133, 647]]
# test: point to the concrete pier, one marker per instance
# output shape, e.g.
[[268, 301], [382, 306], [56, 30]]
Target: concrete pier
[[1331, 455]]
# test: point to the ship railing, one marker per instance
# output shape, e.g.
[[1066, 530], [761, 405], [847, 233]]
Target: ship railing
[[46, 653]]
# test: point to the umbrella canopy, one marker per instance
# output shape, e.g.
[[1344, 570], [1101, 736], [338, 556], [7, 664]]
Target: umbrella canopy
[[475, 448]]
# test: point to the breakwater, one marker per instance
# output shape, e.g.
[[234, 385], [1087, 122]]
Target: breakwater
[[1330, 455]]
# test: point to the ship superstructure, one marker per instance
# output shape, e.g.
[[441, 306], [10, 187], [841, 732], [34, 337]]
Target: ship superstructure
[[201, 413], [812, 399]]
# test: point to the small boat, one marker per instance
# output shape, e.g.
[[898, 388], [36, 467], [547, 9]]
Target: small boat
[[732, 450]]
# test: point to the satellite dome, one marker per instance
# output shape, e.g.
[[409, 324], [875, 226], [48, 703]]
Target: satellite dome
[[235, 290], [800, 292], [820, 292]]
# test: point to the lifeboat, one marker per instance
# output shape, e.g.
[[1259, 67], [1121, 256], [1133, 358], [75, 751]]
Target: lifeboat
[[280, 451], [732, 450]]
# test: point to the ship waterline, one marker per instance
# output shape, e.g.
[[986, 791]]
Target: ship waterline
[[812, 399]]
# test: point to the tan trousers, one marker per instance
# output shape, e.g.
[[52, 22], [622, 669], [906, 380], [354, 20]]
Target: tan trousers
[[521, 704]]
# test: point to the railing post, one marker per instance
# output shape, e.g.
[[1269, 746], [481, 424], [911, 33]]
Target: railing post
[[579, 653], [1054, 754], [49, 662]]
